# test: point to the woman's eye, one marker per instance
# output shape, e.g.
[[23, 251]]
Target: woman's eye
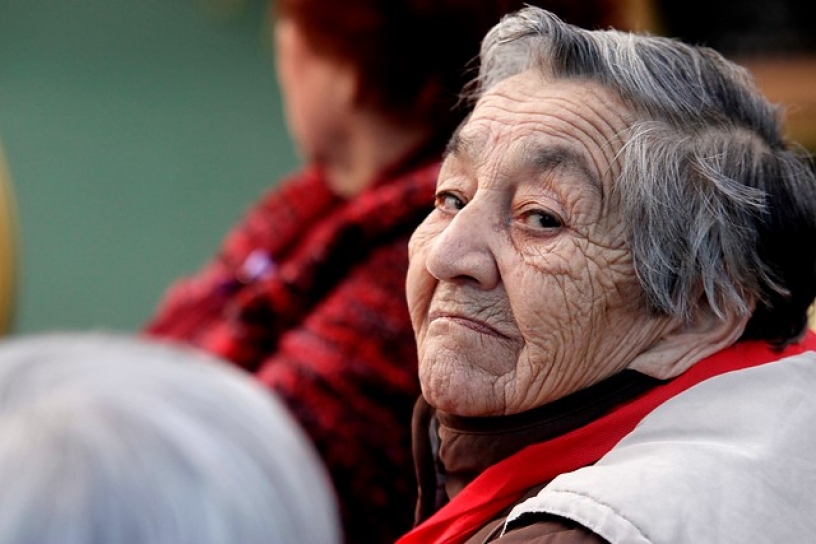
[[449, 202], [542, 220]]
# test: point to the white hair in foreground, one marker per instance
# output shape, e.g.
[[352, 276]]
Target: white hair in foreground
[[109, 439]]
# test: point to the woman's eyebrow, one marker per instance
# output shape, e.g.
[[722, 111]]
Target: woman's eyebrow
[[549, 158], [540, 158]]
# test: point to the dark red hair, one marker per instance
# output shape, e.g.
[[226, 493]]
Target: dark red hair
[[414, 56]]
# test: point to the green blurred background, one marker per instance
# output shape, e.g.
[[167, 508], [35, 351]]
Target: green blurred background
[[136, 134]]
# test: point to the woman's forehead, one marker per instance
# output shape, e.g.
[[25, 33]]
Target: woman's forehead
[[530, 96], [529, 118]]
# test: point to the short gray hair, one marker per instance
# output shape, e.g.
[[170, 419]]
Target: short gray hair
[[711, 192], [114, 439]]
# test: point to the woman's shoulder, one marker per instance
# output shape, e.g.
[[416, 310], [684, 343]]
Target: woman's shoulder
[[743, 438]]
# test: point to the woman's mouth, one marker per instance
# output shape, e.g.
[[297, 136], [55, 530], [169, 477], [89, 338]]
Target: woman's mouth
[[467, 322]]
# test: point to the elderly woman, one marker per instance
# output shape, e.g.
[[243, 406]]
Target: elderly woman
[[622, 244]]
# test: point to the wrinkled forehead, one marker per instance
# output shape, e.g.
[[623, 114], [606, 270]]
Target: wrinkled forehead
[[529, 116]]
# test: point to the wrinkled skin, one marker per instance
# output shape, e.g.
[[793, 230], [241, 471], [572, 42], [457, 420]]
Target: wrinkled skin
[[521, 286]]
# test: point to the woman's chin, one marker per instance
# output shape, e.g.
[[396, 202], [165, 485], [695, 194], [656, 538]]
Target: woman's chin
[[461, 394]]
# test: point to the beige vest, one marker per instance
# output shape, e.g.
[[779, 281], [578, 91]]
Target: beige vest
[[731, 460]]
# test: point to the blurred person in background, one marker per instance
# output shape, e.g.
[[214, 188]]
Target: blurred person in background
[[113, 439], [307, 292]]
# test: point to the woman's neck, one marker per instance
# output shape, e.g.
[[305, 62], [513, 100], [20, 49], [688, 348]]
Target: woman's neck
[[468, 445], [371, 145]]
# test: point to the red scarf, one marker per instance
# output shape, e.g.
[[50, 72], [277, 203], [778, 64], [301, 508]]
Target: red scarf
[[506, 482]]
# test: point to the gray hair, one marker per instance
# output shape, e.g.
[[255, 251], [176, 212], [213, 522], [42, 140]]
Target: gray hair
[[111, 439], [710, 191]]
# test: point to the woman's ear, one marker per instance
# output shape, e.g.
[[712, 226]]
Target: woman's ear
[[688, 342], [350, 90]]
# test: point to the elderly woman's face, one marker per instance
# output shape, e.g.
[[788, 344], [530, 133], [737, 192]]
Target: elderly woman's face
[[521, 287]]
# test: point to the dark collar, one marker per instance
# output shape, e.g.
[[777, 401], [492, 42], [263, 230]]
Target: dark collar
[[451, 450]]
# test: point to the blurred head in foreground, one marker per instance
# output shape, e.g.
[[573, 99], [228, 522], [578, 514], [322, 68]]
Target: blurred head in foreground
[[113, 439]]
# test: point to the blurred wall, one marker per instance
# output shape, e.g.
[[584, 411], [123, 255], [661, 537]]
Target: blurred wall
[[135, 133], [774, 39]]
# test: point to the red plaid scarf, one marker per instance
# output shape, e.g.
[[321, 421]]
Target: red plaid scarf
[[308, 294]]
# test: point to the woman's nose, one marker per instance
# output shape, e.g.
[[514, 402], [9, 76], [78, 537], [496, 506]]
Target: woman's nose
[[463, 252]]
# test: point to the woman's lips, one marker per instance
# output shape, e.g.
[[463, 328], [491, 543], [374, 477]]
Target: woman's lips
[[468, 322]]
